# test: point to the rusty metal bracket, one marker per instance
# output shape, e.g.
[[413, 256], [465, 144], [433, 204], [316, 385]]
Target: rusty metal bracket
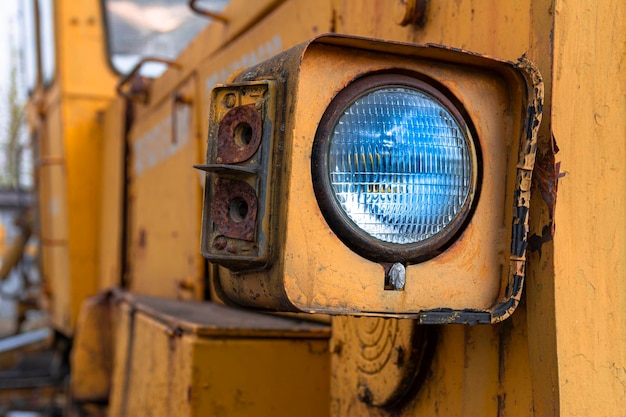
[[226, 169], [207, 13], [235, 209], [138, 91], [410, 12], [239, 134], [236, 228]]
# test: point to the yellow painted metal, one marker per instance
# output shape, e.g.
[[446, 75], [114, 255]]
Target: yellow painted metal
[[589, 247], [383, 360], [165, 194], [92, 351], [69, 164], [82, 63], [197, 359], [165, 198], [112, 196], [561, 354], [500, 29], [475, 371], [582, 376]]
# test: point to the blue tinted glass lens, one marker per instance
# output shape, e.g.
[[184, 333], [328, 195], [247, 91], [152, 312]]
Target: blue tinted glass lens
[[399, 165]]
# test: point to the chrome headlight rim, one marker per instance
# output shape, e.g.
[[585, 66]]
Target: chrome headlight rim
[[346, 230]]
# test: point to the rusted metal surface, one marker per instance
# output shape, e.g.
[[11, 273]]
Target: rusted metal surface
[[521, 205], [239, 134], [234, 209], [237, 228], [526, 163], [210, 319], [546, 180]]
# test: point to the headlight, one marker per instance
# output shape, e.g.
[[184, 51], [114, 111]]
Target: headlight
[[394, 168], [383, 179]]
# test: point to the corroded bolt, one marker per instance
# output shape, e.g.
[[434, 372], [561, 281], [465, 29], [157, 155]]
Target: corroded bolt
[[229, 100], [409, 12], [220, 243]]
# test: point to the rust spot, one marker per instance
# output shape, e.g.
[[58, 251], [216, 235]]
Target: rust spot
[[337, 347], [220, 243], [239, 134], [400, 357], [535, 241], [234, 209], [143, 238], [546, 180], [364, 393], [547, 174], [229, 100]]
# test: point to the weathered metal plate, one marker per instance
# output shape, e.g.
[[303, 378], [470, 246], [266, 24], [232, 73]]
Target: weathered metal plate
[[210, 319]]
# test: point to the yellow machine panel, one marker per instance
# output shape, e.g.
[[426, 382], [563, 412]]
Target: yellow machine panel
[[193, 359], [69, 161], [112, 197], [163, 214]]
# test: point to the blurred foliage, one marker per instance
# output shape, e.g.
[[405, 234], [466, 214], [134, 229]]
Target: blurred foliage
[[11, 145]]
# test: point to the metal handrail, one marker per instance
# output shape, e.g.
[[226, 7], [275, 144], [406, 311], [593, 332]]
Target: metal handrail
[[207, 13], [140, 93]]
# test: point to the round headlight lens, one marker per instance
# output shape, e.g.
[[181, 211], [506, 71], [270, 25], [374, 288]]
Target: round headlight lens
[[399, 165]]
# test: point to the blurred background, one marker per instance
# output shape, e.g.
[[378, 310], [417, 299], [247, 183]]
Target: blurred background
[[15, 168]]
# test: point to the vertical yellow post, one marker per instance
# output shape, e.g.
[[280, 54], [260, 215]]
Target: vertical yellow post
[[70, 165], [589, 124]]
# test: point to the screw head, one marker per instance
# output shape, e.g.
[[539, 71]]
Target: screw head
[[229, 100], [220, 243]]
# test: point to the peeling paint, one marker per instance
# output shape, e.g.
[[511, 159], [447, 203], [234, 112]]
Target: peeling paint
[[546, 180]]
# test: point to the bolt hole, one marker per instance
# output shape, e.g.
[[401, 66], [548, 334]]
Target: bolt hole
[[243, 134], [237, 209]]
